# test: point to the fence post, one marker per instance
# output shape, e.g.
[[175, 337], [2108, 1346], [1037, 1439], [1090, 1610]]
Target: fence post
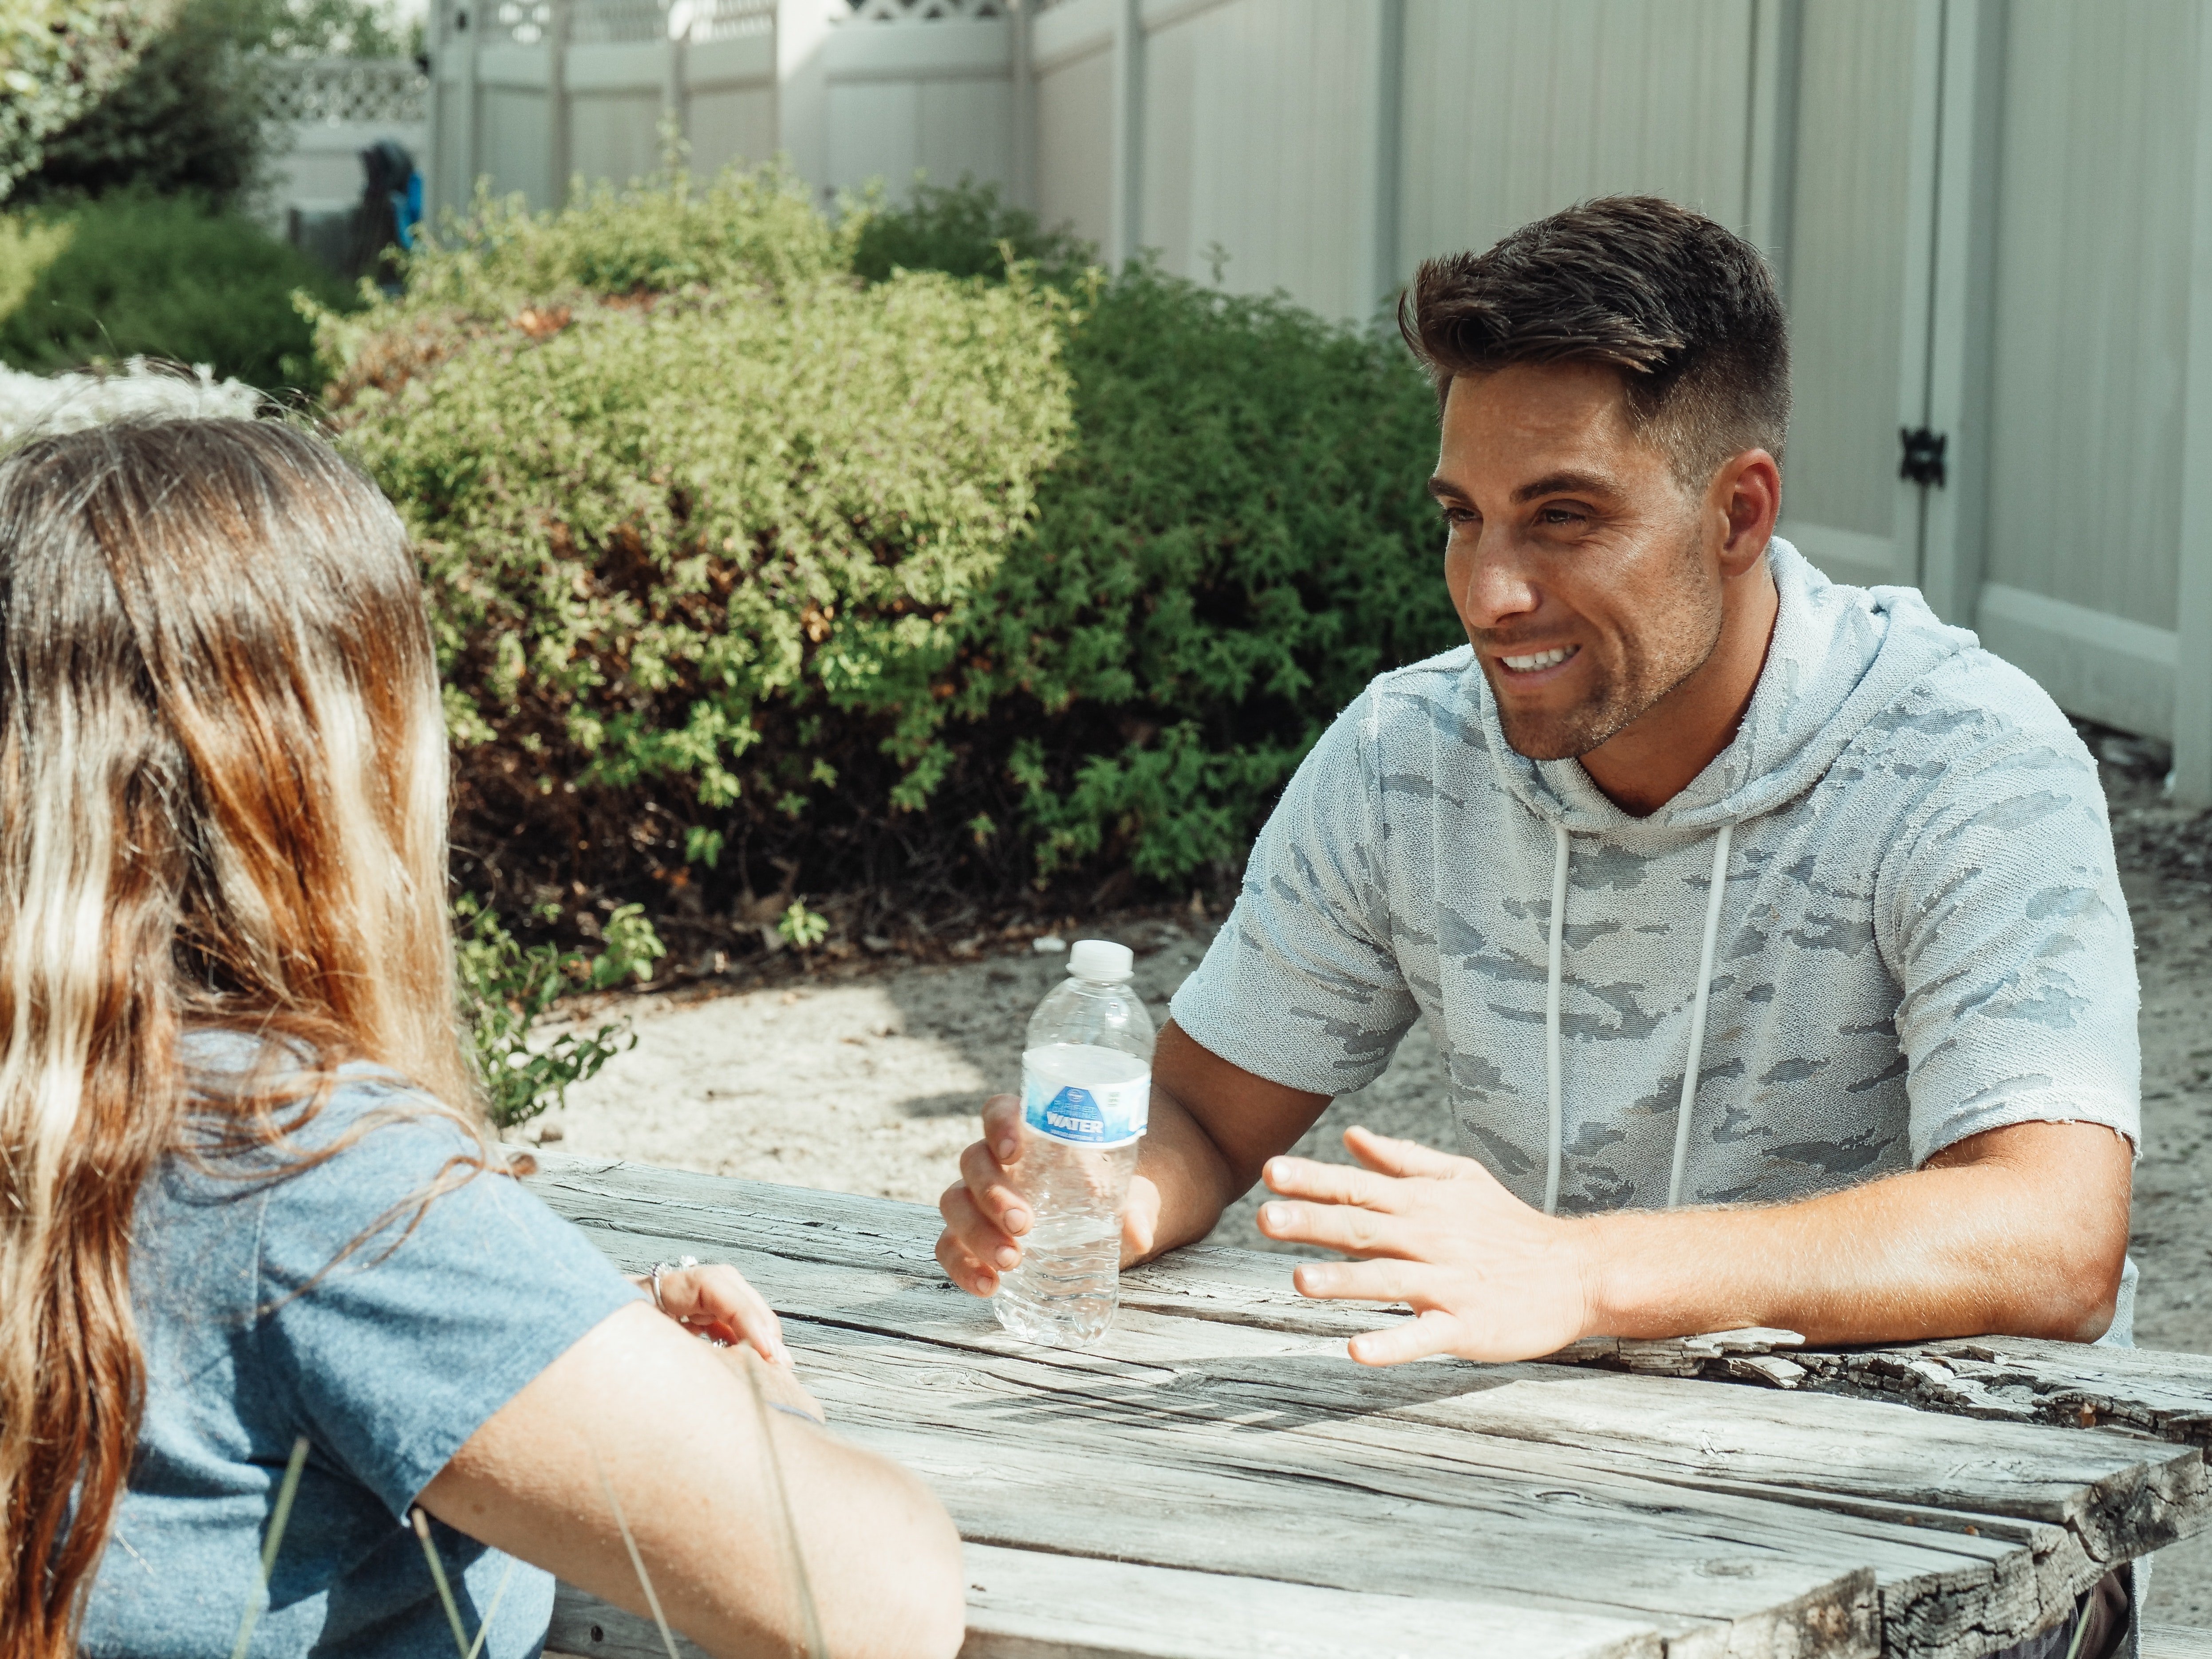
[[558, 31], [2192, 675], [802, 89], [1770, 185], [452, 62], [675, 94], [1384, 276], [1960, 302], [430, 163], [1022, 184], [1125, 214]]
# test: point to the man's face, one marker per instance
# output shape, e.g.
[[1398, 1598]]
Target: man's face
[[1576, 558]]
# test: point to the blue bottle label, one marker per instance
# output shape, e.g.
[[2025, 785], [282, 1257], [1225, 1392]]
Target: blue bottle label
[[1086, 1115]]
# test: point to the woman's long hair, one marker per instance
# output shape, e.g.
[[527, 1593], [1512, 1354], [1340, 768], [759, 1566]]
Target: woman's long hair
[[222, 802]]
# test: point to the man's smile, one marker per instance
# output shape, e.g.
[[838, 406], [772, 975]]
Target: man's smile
[[1537, 662]]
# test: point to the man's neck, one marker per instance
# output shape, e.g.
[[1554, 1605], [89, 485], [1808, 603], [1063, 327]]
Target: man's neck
[[1656, 755]]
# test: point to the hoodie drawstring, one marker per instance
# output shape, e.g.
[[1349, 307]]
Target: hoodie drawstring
[[1552, 1017], [1716, 892]]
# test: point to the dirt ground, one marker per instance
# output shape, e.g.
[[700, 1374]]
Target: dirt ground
[[864, 1078]]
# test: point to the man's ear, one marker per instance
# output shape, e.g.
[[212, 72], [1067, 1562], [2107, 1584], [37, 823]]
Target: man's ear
[[1742, 504]]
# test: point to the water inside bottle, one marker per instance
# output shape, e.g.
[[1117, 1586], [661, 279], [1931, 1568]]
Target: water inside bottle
[[1066, 1288]]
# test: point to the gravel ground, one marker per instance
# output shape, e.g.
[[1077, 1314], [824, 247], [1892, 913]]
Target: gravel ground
[[865, 1077]]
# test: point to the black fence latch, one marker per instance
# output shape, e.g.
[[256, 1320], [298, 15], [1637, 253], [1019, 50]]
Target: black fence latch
[[1924, 455]]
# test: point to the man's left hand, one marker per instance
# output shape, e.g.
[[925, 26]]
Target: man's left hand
[[1487, 1277]]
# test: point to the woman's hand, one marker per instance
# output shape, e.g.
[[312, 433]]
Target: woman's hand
[[715, 1301]]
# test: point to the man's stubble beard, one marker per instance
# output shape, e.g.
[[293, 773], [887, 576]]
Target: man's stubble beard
[[1687, 639]]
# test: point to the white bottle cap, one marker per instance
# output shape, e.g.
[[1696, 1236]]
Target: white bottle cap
[[1101, 960]]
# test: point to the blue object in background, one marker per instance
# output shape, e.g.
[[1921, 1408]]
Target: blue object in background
[[391, 207], [407, 211]]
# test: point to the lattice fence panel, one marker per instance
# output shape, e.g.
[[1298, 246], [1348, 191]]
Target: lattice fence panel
[[927, 11], [296, 89]]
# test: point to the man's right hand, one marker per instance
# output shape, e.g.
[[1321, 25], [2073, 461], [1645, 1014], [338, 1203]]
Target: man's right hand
[[984, 1214], [1187, 1171]]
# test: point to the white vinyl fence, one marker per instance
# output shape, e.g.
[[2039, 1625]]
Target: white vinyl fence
[[1992, 220]]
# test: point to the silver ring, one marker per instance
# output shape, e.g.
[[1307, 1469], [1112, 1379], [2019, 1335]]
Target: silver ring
[[661, 1267]]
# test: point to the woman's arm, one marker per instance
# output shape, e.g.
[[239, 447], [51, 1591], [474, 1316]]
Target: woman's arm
[[674, 1427]]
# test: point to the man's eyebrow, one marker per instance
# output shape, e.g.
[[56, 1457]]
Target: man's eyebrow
[[1552, 483], [1565, 483]]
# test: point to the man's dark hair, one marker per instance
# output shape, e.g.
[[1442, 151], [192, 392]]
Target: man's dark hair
[[1683, 307]]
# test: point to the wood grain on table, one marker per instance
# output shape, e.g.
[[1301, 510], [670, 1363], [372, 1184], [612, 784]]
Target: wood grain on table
[[1216, 1477]]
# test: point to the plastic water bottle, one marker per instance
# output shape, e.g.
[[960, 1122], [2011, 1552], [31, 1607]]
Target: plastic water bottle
[[1086, 1088]]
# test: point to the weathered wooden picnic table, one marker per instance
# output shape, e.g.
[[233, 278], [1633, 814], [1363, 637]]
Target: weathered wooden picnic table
[[1216, 1478]]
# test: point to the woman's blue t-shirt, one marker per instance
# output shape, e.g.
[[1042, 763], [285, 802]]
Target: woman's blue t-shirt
[[386, 1363]]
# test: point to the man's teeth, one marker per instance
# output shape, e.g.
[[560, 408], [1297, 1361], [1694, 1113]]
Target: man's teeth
[[1542, 660]]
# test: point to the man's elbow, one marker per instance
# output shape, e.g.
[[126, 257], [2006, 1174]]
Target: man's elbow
[[2080, 1294], [2050, 1228]]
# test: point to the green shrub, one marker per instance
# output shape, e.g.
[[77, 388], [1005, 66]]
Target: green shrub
[[57, 59], [688, 551], [98, 95], [1238, 539], [165, 277], [965, 232], [185, 118], [27, 246], [507, 990], [740, 561], [756, 230]]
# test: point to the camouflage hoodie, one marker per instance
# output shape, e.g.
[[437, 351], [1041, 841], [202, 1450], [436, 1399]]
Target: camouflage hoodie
[[1917, 931]]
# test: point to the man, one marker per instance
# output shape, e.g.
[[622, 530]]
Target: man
[[1771, 928]]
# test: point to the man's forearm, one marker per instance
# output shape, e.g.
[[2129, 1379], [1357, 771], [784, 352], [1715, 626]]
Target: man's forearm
[[1182, 1183], [2030, 1244], [1213, 1124]]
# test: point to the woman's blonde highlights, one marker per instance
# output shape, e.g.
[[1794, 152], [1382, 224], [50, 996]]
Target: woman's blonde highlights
[[222, 778]]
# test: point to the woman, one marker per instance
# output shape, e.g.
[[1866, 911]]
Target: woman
[[245, 1199]]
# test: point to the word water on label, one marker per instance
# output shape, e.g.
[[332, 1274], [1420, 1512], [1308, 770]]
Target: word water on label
[[1096, 1113]]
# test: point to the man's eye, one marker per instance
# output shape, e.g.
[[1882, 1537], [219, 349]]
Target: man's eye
[[1558, 515], [1459, 515]]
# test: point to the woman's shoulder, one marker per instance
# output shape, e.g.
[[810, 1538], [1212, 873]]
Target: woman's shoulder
[[352, 1165], [263, 1109], [407, 1284]]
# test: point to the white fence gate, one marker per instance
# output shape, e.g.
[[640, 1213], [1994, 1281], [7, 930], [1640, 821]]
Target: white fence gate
[[1992, 221]]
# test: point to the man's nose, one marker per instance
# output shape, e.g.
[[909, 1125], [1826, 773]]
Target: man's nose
[[1499, 586]]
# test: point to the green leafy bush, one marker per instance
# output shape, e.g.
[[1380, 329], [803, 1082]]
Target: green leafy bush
[[186, 117], [740, 560], [131, 274], [59, 58], [507, 988], [966, 231], [156, 96], [1238, 539], [691, 547]]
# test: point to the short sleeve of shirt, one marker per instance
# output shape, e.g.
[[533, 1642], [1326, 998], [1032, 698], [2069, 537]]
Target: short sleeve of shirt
[[2002, 916], [1301, 986], [395, 1355]]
